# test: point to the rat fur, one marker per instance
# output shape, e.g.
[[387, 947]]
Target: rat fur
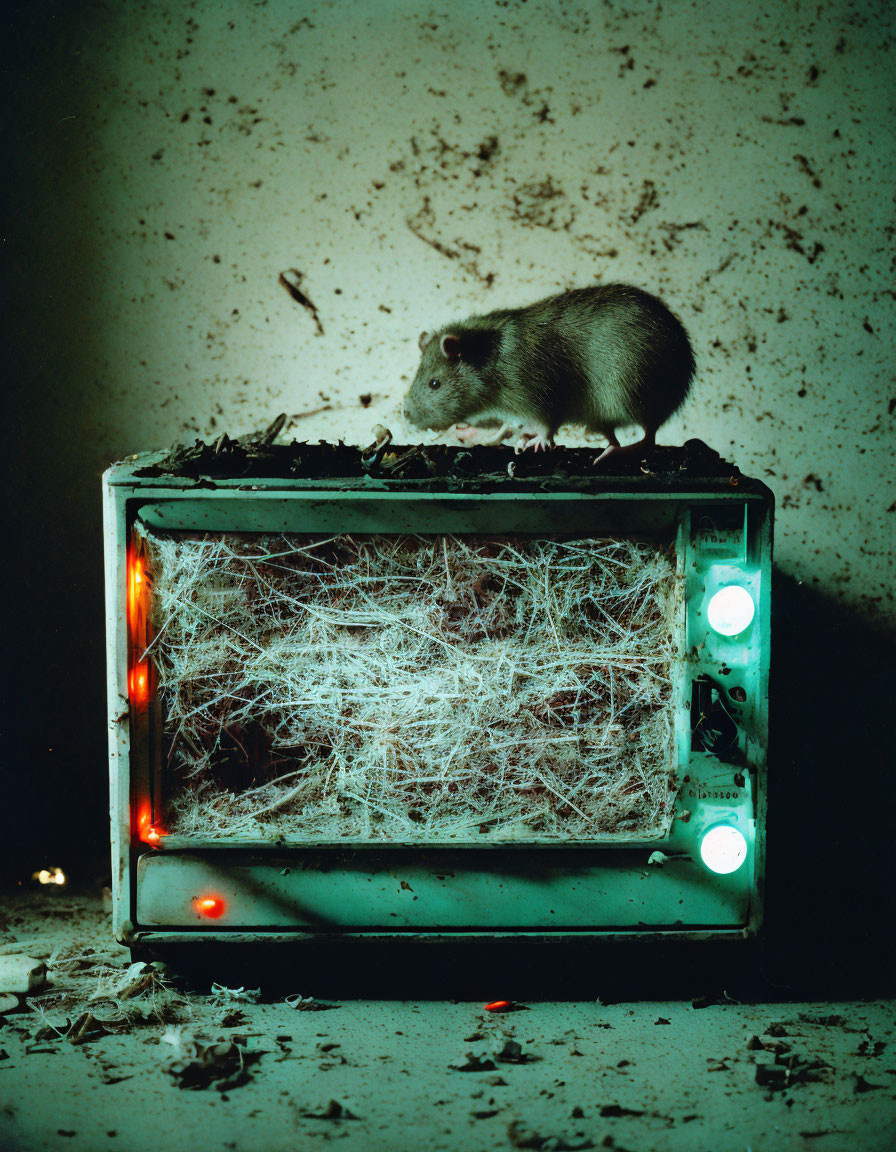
[[601, 357]]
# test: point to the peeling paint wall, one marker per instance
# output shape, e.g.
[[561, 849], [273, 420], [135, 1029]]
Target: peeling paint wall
[[418, 163]]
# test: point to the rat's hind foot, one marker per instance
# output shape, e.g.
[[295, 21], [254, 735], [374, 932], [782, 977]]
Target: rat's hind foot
[[647, 442], [537, 441]]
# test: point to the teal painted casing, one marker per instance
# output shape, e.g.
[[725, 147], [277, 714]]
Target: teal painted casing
[[720, 526]]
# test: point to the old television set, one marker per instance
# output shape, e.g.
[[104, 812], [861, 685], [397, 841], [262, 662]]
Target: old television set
[[437, 692]]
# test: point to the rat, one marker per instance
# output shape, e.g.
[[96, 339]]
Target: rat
[[600, 357]]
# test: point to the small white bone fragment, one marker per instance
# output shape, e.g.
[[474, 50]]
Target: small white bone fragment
[[300, 1003], [21, 973]]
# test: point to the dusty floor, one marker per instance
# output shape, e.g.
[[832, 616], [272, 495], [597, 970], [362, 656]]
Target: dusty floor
[[169, 1067]]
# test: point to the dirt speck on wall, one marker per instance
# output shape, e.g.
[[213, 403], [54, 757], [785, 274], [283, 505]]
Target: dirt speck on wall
[[420, 163]]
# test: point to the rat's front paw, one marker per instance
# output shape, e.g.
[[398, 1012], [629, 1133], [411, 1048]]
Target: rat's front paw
[[466, 433], [537, 441]]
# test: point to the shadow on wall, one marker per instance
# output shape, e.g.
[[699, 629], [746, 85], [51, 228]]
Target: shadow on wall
[[832, 790]]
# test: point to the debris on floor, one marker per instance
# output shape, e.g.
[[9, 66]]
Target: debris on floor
[[308, 1004], [512, 1053], [474, 1062], [109, 1043], [222, 995], [524, 1137], [21, 974], [223, 1066], [333, 1111]]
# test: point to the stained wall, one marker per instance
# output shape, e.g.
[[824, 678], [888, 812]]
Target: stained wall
[[417, 163]]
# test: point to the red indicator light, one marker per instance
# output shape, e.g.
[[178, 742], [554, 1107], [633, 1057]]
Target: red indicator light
[[136, 584], [148, 832], [499, 1006], [211, 906], [139, 675], [138, 683]]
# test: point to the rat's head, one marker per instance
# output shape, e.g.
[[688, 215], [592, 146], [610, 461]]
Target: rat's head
[[449, 386]]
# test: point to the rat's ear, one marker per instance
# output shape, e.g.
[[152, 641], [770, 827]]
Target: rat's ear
[[451, 346], [423, 340]]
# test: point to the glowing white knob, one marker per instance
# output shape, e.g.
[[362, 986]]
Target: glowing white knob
[[723, 849], [731, 610]]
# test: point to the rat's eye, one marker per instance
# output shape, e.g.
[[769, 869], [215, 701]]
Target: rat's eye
[[435, 384]]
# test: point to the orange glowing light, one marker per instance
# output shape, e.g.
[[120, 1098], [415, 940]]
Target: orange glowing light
[[499, 1006], [136, 584], [211, 906], [138, 683], [148, 832]]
